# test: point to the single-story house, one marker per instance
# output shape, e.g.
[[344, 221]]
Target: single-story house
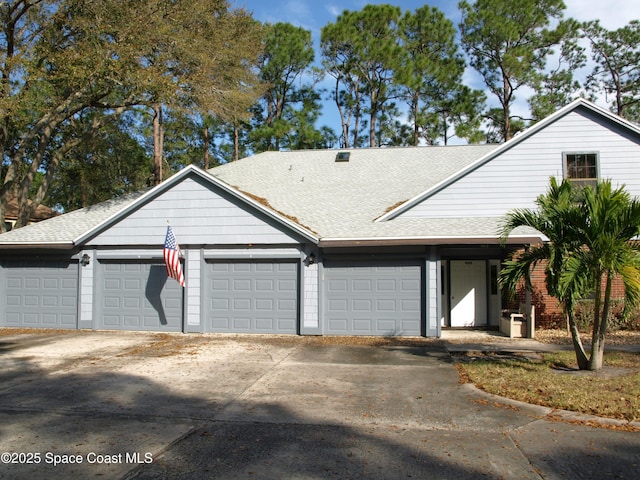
[[381, 241]]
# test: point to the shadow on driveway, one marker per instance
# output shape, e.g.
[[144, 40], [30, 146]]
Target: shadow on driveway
[[302, 411]]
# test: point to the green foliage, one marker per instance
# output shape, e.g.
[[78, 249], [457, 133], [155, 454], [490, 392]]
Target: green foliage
[[619, 318], [617, 70], [556, 87], [590, 233], [430, 77], [290, 106], [70, 65], [107, 164], [362, 50], [508, 44]]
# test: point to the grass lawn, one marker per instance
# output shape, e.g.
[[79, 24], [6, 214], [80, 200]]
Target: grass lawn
[[552, 380]]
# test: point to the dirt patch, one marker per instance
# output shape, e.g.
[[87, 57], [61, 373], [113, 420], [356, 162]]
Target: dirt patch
[[8, 331], [498, 356], [170, 344], [166, 345]]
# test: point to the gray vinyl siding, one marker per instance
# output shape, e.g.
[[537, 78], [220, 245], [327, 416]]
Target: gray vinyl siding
[[194, 263], [310, 305], [516, 177], [199, 214], [86, 290], [433, 294]]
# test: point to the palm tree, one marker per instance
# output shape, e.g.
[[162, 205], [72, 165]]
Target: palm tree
[[550, 219], [608, 226], [590, 233]]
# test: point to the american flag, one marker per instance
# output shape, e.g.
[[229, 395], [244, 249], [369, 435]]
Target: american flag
[[172, 257]]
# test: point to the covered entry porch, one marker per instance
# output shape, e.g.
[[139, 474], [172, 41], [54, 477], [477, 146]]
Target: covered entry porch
[[471, 296]]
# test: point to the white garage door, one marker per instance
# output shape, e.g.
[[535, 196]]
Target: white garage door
[[372, 298], [137, 296], [251, 297], [39, 293]]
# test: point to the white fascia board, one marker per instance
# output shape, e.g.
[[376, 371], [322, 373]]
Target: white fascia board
[[48, 245], [434, 240]]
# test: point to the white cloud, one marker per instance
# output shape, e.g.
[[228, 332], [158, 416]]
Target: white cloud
[[612, 14], [334, 10]]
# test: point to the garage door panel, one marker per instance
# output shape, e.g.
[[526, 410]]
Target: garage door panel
[[242, 304], [338, 326], [266, 285], [242, 285], [287, 305], [31, 300], [411, 285], [265, 323], [386, 325], [131, 321], [386, 305], [138, 296], [241, 324], [362, 326], [410, 306], [30, 320], [51, 301], [262, 267], [373, 298], [386, 285], [264, 304], [221, 323], [221, 285], [31, 283], [131, 302], [362, 285], [363, 305], [132, 284], [39, 293], [251, 297], [337, 285]]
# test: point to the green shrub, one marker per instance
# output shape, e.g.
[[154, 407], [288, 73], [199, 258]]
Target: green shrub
[[617, 319]]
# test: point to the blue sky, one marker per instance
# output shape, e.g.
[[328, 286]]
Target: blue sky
[[315, 14]]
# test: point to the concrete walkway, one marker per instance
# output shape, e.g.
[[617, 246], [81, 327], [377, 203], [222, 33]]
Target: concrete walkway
[[145, 406]]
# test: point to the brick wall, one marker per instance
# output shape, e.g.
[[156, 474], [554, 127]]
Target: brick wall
[[548, 310]]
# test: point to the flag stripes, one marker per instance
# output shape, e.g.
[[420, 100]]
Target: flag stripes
[[171, 254]]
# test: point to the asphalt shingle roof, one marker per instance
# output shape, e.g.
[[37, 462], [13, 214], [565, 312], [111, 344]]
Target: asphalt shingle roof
[[332, 200], [65, 229], [343, 199]]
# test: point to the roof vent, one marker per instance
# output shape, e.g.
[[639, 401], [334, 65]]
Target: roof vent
[[343, 156]]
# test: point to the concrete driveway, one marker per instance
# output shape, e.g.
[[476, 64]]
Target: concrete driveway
[[149, 406]]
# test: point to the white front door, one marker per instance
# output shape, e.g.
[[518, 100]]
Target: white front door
[[468, 298]]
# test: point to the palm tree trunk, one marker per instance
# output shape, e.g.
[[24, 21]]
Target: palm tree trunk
[[581, 354], [600, 326]]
